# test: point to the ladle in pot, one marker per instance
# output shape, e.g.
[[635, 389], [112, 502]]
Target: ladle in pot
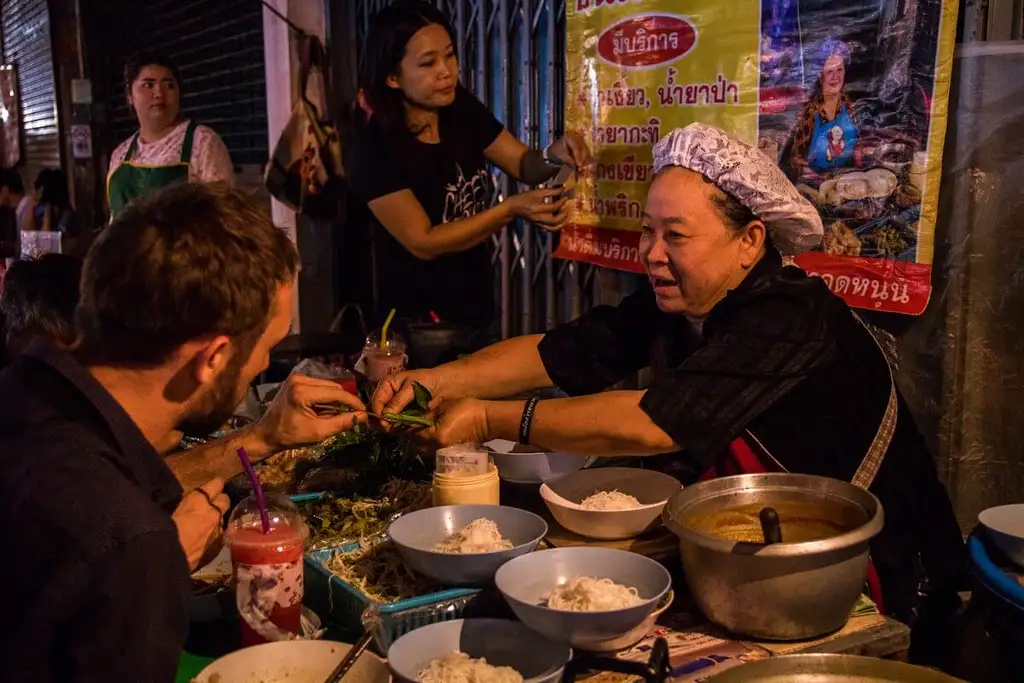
[[771, 527]]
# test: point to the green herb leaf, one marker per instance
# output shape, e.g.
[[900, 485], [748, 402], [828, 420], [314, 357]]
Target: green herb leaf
[[422, 395], [409, 419]]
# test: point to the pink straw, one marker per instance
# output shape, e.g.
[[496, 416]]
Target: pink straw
[[256, 488]]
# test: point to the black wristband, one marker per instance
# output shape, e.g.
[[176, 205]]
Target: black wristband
[[527, 421]]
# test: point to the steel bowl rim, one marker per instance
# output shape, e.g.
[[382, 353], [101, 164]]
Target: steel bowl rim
[[533, 543], [780, 481]]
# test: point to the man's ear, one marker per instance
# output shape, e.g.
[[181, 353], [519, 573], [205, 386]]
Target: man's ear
[[210, 358]]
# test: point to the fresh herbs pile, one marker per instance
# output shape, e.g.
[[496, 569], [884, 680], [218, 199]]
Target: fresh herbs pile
[[337, 520], [361, 461]]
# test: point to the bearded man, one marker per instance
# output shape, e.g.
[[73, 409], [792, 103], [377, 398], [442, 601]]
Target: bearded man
[[182, 298]]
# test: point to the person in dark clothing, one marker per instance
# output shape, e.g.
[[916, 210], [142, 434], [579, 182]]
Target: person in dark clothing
[[419, 162], [757, 367], [39, 299], [100, 537], [15, 212]]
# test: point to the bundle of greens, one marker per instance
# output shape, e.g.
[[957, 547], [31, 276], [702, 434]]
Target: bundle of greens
[[415, 414], [338, 520]]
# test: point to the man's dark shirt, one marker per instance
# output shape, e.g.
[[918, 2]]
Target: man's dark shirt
[[96, 584]]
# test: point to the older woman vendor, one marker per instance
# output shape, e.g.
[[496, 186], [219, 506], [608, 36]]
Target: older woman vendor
[[756, 365]]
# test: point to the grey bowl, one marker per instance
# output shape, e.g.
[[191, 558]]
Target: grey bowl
[[499, 641], [416, 533], [526, 581]]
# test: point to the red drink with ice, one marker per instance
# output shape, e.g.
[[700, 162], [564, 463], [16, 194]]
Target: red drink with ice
[[267, 569]]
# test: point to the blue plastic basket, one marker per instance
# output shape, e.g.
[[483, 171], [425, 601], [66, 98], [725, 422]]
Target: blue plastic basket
[[342, 604]]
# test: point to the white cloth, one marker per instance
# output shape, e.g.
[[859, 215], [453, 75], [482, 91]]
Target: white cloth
[[210, 161], [748, 175]]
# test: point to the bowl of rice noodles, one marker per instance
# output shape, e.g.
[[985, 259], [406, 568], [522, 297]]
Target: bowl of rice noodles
[[464, 545], [583, 596], [480, 650], [609, 503]]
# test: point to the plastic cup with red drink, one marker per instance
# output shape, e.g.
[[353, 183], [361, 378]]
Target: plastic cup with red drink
[[267, 568]]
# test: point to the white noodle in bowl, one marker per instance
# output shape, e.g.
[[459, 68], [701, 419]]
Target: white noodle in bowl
[[458, 667], [479, 536], [610, 500], [588, 594]]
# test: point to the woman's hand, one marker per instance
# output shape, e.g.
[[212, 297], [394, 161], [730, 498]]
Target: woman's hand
[[572, 149], [395, 392], [545, 207], [462, 420]]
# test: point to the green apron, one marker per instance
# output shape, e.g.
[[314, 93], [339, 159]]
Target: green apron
[[130, 181]]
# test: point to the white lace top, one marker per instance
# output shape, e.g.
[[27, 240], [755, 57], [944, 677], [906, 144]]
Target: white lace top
[[210, 161]]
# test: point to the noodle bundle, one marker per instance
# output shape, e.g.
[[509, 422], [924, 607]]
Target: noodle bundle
[[587, 594], [479, 536], [458, 667], [610, 500]]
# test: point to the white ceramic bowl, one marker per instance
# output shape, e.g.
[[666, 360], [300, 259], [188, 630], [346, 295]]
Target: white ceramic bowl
[[525, 465], [1005, 527], [526, 581], [501, 642], [415, 534], [652, 489], [294, 661]]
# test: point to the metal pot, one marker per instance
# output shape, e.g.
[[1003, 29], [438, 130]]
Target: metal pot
[[802, 588], [429, 341], [825, 668]]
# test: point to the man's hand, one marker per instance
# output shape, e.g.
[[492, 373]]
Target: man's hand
[[462, 420], [395, 391], [291, 420], [198, 519]]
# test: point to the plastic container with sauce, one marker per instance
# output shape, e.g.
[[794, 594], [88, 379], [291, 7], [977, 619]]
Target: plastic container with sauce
[[480, 489]]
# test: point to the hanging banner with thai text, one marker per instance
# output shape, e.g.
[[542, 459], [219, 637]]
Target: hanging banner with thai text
[[849, 98]]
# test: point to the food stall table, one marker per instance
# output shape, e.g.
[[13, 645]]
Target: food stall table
[[696, 643]]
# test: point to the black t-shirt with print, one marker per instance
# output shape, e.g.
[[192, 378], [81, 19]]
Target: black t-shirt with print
[[450, 179]]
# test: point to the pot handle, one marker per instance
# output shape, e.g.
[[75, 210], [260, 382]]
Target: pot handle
[[656, 670]]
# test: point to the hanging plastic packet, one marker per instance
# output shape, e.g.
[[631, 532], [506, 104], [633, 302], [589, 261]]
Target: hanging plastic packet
[[467, 459]]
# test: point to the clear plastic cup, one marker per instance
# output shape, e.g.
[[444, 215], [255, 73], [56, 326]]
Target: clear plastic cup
[[388, 360], [267, 568]]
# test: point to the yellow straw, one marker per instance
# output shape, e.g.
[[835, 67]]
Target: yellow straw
[[384, 331]]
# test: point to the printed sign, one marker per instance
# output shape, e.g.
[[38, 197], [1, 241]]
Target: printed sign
[[849, 98]]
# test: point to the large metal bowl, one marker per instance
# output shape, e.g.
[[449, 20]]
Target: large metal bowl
[[415, 534], [827, 668], [784, 591], [526, 581], [500, 642]]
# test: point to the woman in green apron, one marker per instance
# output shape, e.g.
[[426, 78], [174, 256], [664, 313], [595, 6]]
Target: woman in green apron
[[167, 148]]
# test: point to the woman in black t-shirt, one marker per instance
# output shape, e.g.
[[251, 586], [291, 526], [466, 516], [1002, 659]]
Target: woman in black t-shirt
[[420, 164]]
